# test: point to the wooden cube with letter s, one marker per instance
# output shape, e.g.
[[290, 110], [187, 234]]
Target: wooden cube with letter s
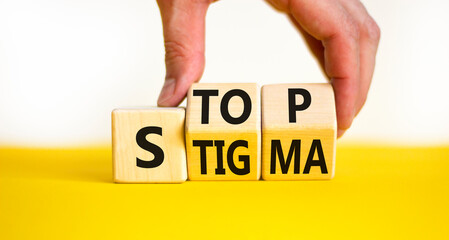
[[298, 131], [148, 145], [223, 131]]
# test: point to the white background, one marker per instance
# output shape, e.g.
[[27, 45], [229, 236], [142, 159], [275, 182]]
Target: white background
[[65, 64]]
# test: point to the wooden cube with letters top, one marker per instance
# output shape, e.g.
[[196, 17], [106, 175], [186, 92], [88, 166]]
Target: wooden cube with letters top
[[298, 131], [223, 131], [148, 145]]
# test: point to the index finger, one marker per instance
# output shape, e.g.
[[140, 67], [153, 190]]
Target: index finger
[[329, 22]]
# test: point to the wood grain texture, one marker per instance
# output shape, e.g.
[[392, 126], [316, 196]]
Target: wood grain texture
[[125, 125], [236, 146], [302, 140]]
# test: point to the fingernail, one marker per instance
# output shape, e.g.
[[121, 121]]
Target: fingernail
[[167, 92], [340, 133]]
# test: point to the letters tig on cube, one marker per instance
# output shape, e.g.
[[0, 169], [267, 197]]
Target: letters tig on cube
[[223, 131], [148, 145], [298, 132]]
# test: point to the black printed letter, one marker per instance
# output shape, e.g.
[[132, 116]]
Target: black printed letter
[[205, 94], [224, 108], [156, 150], [244, 158], [219, 170], [276, 146], [203, 144], [316, 146], [292, 107]]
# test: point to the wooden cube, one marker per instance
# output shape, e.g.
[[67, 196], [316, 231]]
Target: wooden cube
[[223, 131], [148, 145], [298, 132]]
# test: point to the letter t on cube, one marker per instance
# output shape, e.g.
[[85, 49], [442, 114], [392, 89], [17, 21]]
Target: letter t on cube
[[298, 131]]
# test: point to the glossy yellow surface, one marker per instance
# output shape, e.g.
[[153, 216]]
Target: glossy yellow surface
[[377, 193]]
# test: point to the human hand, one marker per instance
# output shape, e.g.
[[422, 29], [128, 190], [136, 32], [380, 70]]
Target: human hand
[[340, 33]]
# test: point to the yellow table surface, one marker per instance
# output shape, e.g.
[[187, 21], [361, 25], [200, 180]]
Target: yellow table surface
[[378, 192]]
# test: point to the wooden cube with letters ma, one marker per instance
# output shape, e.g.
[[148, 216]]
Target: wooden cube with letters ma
[[223, 131], [298, 131], [148, 145]]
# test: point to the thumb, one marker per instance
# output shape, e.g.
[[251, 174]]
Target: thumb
[[184, 27]]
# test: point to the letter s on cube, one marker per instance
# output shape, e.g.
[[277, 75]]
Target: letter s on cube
[[148, 145]]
